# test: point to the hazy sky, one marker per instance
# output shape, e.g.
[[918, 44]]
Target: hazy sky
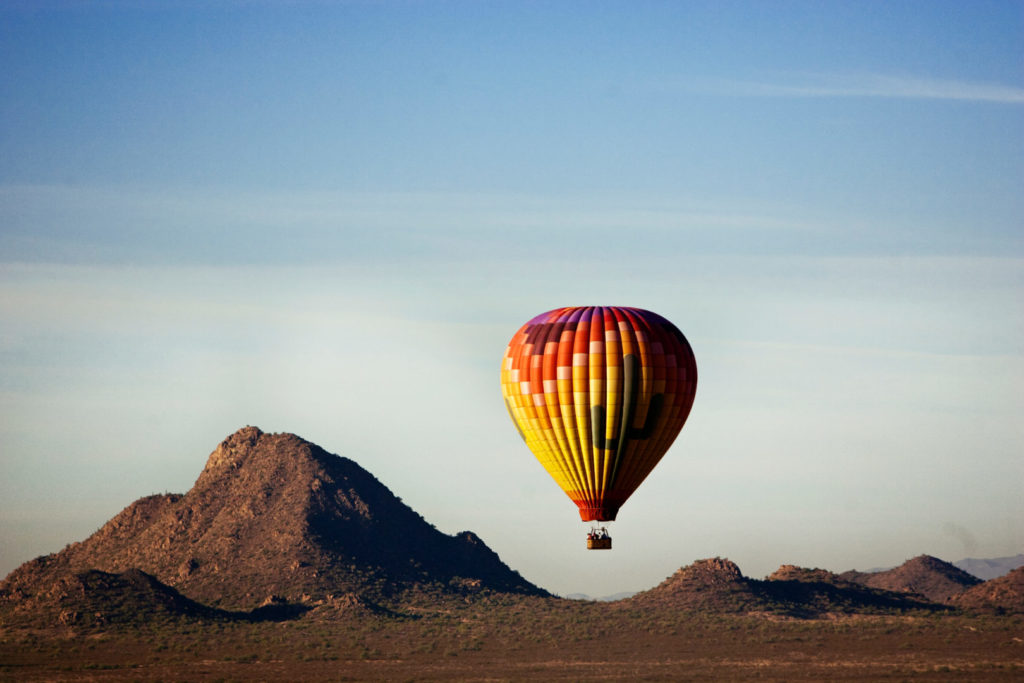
[[329, 219]]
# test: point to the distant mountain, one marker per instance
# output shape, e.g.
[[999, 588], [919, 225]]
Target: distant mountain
[[924, 575], [274, 517], [984, 569], [604, 598], [990, 568]]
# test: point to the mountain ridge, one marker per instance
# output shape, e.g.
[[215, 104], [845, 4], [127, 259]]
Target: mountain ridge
[[277, 527], [718, 585], [991, 567]]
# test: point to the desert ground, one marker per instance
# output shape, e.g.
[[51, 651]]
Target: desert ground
[[514, 638]]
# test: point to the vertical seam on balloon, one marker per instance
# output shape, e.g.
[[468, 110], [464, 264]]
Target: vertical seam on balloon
[[581, 346], [598, 409], [628, 393]]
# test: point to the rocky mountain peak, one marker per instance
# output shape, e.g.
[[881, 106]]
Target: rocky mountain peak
[[276, 515], [711, 584], [230, 454], [712, 570]]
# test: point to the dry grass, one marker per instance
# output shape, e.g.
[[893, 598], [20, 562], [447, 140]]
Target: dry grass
[[531, 639]]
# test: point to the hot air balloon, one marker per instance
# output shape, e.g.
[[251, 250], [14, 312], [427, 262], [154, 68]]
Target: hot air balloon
[[598, 393]]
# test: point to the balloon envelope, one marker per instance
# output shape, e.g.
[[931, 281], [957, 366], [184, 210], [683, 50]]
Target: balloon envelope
[[599, 393]]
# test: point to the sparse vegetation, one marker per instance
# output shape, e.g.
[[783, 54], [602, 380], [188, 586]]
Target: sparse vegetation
[[552, 641]]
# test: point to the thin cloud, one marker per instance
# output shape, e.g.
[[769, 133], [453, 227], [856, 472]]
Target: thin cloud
[[875, 85]]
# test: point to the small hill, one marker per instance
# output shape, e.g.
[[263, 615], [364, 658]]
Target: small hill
[[94, 599], [1001, 595], [716, 585], [924, 575], [712, 585], [273, 515], [806, 592]]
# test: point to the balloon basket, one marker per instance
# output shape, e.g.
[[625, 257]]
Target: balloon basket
[[599, 539]]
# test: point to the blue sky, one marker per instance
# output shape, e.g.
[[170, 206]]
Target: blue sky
[[329, 219]]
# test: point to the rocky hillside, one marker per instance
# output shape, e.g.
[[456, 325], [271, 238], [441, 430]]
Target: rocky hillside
[[275, 517], [924, 575], [1004, 595], [276, 527], [717, 585], [95, 599]]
